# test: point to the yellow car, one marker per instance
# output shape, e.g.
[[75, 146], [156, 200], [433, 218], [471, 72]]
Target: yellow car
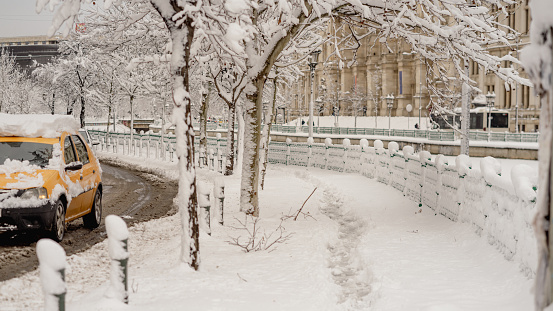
[[49, 180]]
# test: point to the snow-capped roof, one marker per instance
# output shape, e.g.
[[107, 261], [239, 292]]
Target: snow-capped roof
[[37, 125]]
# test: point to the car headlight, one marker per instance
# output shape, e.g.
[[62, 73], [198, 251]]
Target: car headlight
[[34, 193]]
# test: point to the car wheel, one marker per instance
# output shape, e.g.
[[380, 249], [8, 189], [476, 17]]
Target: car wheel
[[92, 220], [58, 226]]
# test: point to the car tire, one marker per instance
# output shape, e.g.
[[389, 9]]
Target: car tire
[[57, 232], [92, 220]]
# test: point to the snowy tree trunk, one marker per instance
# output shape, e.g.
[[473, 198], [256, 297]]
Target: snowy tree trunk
[[83, 109], [182, 36], [52, 107], [249, 201], [203, 128], [132, 124], [267, 133], [240, 140], [229, 166], [541, 220]]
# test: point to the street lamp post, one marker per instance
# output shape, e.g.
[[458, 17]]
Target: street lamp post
[[490, 101], [312, 64], [390, 104]]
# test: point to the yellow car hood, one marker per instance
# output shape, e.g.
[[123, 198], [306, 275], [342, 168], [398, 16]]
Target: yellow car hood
[[24, 180]]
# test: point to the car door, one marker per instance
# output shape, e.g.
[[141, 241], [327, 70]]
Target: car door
[[88, 173], [73, 179]]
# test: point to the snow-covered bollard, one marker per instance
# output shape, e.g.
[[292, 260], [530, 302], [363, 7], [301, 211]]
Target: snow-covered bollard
[[204, 203], [219, 194], [51, 258], [118, 237]]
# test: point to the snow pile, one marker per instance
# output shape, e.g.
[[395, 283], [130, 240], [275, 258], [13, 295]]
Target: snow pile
[[25, 181], [37, 125], [14, 166], [463, 164], [525, 181], [393, 147]]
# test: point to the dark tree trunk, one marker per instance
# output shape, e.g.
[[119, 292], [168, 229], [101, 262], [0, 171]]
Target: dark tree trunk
[[229, 168], [82, 117], [203, 127]]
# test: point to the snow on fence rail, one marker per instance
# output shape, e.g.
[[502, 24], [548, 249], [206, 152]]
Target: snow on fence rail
[[438, 135], [497, 207]]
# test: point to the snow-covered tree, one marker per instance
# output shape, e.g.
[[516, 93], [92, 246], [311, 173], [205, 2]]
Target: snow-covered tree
[[17, 91], [538, 62]]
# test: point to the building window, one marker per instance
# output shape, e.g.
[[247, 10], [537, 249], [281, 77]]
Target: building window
[[528, 19], [401, 82], [512, 16], [475, 69], [525, 96], [507, 103]]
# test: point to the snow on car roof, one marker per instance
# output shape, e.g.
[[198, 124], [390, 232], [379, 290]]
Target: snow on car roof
[[37, 125]]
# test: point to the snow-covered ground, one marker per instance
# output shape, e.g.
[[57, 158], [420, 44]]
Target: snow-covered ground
[[362, 246]]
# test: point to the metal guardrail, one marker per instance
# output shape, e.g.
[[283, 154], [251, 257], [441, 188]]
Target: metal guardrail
[[438, 135]]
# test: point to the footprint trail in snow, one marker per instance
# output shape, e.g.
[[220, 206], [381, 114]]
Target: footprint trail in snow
[[348, 270]]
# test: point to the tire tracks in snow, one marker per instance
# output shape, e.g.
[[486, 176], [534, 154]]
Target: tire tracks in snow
[[346, 264]]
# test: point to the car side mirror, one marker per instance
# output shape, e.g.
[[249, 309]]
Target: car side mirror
[[75, 166]]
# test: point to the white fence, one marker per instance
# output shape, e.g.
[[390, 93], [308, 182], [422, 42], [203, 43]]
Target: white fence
[[498, 208]]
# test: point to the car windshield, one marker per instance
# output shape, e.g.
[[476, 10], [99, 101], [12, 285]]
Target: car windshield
[[35, 153], [83, 134]]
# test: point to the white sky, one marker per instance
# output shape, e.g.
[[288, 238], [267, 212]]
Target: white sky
[[19, 18]]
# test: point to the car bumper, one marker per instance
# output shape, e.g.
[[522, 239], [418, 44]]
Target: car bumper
[[27, 218]]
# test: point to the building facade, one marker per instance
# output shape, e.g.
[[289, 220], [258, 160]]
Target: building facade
[[29, 49], [372, 71]]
